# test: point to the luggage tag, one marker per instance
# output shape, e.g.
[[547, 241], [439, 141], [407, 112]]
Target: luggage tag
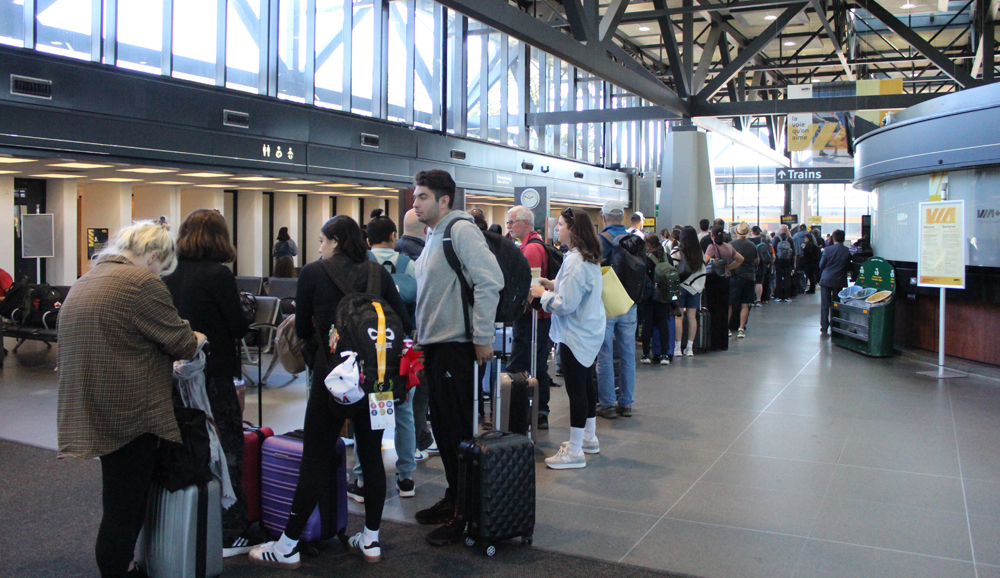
[[381, 410]]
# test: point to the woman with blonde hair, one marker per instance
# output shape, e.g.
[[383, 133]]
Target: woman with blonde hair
[[119, 335]]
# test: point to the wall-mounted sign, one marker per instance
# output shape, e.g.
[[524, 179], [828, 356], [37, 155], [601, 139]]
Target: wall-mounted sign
[[817, 220], [941, 257], [783, 176], [503, 180], [97, 240], [938, 187], [789, 219]]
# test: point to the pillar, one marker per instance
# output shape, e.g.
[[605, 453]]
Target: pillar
[[61, 201], [192, 199], [350, 206], [154, 201], [317, 214], [687, 181], [250, 237], [104, 206], [7, 216], [286, 214]]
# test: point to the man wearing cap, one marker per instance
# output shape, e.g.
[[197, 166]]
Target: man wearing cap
[[619, 334], [637, 220], [741, 283]]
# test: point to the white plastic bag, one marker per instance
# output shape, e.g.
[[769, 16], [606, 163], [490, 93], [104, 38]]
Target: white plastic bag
[[344, 381]]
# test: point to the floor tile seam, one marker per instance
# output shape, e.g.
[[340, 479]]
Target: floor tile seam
[[961, 477], [826, 493], [605, 508], [854, 466], [783, 492], [681, 497]]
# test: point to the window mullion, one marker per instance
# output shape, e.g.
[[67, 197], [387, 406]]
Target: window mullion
[[167, 44], [348, 49], [309, 81], [96, 30], [29, 24], [504, 74], [220, 42]]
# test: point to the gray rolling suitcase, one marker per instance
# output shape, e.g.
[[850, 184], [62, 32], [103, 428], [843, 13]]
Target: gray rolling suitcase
[[182, 536]]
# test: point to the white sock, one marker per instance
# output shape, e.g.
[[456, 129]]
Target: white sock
[[576, 439], [370, 536], [591, 428], [677, 347], [285, 545]]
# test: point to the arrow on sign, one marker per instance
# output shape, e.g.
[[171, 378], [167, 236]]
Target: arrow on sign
[[781, 174]]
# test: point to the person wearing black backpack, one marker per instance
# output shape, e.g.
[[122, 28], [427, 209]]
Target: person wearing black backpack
[[520, 223], [443, 310], [784, 262], [344, 260]]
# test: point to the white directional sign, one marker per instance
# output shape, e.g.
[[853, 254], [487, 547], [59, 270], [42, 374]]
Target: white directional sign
[[783, 176]]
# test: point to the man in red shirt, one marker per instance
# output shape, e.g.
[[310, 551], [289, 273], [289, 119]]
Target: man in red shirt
[[520, 224]]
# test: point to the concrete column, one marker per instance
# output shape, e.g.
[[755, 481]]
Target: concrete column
[[192, 199], [688, 180], [105, 206], [154, 201], [351, 207], [317, 214], [286, 214], [7, 216], [61, 201], [394, 214], [250, 236]]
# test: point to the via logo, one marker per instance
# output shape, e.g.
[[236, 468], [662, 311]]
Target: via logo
[[941, 216]]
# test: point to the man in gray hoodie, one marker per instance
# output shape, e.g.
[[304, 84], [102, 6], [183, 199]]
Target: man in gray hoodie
[[449, 355]]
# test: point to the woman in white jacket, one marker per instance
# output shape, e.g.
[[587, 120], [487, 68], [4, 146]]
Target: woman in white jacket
[[578, 322]]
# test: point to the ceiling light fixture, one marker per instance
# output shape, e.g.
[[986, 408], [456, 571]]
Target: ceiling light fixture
[[9, 172], [255, 179], [119, 180], [11, 161], [80, 166], [908, 5], [56, 176], [644, 29], [770, 17], [300, 182], [219, 186], [789, 43], [173, 183], [339, 185], [147, 171], [207, 175]]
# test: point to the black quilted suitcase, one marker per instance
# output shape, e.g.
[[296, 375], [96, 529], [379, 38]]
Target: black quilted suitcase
[[496, 487]]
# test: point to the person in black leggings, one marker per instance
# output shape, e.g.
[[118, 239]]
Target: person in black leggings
[[317, 297]]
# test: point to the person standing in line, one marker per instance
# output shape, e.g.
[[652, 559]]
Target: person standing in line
[[116, 379], [762, 273], [717, 288], [449, 351], [411, 243], [704, 225], [784, 259], [657, 312], [811, 255], [204, 292], [619, 333], [691, 268], [637, 220], [574, 299], [741, 283], [833, 268], [520, 224], [284, 246]]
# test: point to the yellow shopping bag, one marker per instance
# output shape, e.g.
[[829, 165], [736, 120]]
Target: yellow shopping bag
[[616, 299]]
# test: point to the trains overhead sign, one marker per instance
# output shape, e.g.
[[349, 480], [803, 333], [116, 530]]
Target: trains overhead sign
[[783, 176]]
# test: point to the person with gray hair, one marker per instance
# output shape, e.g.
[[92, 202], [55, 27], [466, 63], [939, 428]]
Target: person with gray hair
[[619, 333]]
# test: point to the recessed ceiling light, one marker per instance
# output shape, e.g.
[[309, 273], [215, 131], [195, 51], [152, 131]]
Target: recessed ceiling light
[[147, 171], [373, 189], [219, 186], [644, 29], [293, 191], [770, 17], [908, 5], [119, 180], [80, 166], [789, 43], [11, 161], [56, 43], [300, 182], [255, 179], [174, 183], [206, 175], [56, 176], [339, 185], [9, 172], [358, 195]]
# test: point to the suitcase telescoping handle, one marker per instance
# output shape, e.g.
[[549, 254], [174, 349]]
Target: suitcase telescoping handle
[[477, 385], [534, 343]]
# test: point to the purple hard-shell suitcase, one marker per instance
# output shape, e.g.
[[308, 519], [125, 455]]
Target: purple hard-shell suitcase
[[280, 459]]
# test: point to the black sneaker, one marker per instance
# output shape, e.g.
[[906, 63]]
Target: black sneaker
[[543, 421], [355, 492], [405, 487], [439, 513], [450, 533]]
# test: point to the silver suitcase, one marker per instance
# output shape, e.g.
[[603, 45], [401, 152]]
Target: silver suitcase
[[182, 536]]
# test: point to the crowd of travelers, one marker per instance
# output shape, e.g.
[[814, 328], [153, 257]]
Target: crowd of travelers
[[115, 379]]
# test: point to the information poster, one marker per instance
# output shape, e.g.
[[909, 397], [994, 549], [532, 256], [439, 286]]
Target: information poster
[[97, 240], [941, 258]]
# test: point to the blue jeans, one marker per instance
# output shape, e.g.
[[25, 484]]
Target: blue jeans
[[619, 329], [406, 444]]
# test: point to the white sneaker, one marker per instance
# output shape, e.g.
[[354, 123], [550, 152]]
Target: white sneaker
[[433, 448], [664, 361], [689, 352], [421, 455], [371, 553], [265, 555], [566, 460], [592, 446]]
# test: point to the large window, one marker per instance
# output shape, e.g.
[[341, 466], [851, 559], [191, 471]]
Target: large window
[[400, 77], [194, 48], [12, 22], [363, 56], [427, 67], [63, 26], [292, 46], [330, 53], [140, 35], [244, 33]]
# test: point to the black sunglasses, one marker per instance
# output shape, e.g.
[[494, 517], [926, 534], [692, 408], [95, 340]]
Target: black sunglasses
[[567, 214]]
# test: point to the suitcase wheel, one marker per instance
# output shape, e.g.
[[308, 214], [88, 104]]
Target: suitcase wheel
[[470, 541], [527, 540], [490, 550]]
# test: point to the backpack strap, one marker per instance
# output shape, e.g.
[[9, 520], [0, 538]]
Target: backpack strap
[[338, 280], [402, 261], [374, 286], [456, 265]]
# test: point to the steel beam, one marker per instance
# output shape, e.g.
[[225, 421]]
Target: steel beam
[[591, 57], [960, 76], [579, 23], [673, 52], [706, 57], [751, 50], [818, 5], [612, 16], [741, 6]]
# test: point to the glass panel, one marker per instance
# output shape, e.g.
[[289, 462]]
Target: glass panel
[[140, 34], [242, 49], [474, 62], [330, 53], [514, 76], [425, 80], [194, 40], [550, 101], [398, 49], [534, 93], [454, 80], [493, 104], [292, 50], [363, 56], [12, 22], [63, 27]]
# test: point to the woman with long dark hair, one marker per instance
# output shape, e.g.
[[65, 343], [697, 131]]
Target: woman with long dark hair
[[284, 246], [578, 321], [204, 292], [657, 309], [317, 299], [717, 288], [688, 259]]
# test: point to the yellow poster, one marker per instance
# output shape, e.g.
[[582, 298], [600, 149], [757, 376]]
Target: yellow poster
[[941, 259]]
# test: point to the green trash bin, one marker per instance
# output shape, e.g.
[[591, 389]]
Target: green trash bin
[[868, 328]]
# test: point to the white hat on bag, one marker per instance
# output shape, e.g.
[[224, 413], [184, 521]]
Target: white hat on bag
[[344, 381]]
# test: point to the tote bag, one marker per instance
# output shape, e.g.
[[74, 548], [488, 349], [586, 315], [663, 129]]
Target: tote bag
[[616, 299]]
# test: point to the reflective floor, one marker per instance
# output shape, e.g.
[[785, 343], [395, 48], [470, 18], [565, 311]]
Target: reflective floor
[[785, 456]]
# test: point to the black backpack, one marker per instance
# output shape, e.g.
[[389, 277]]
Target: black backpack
[[357, 324], [555, 257], [18, 299], [516, 276], [628, 259]]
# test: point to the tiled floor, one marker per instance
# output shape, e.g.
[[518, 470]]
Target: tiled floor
[[783, 457]]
